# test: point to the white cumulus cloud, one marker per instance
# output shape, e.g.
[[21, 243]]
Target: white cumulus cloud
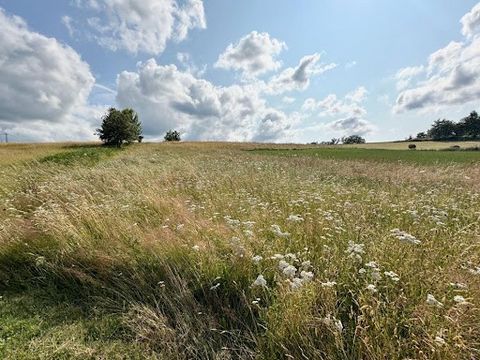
[[166, 97], [45, 84], [452, 75], [143, 26], [254, 54]]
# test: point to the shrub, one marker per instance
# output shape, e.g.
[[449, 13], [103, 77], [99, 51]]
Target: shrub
[[412, 146], [172, 135], [120, 126]]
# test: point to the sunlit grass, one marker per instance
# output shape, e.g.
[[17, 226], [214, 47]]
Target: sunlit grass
[[209, 251]]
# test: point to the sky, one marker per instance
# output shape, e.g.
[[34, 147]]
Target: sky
[[229, 70]]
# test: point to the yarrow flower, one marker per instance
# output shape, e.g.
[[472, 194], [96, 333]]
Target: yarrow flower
[[439, 340], [277, 231], [404, 236], [295, 218], [355, 251], [306, 276], [257, 258], [296, 283], [328, 284], [432, 301], [290, 271], [393, 276], [260, 282], [334, 322], [372, 288]]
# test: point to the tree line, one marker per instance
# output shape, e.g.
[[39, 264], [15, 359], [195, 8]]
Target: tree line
[[467, 128]]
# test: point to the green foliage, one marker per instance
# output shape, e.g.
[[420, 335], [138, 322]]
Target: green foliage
[[353, 139], [467, 128], [120, 126], [172, 135]]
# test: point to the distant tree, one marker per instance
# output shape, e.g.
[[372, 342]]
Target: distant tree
[[469, 126], [443, 130], [353, 139], [422, 136], [172, 135], [140, 138], [119, 127]]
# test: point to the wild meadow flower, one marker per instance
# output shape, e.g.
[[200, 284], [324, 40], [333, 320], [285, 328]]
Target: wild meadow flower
[[405, 237], [295, 218], [328, 284], [306, 264], [306, 276], [432, 301], [277, 257], [460, 300], [196, 248], [392, 275], [291, 256], [355, 251], [260, 282], [282, 264], [257, 258], [278, 232], [372, 288], [296, 283], [290, 271], [256, 301]]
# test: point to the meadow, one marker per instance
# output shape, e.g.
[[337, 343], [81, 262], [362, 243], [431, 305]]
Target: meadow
[[238, 251]]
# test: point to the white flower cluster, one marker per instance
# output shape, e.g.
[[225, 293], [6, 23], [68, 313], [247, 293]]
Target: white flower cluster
[[278, 232], [355, 251], [404, 236], [295, 218]]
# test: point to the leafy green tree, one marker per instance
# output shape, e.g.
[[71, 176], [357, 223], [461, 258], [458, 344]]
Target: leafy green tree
[[353, 139], [470, 125], [172, 135], [119, 127], [443, 130], [422, 136]]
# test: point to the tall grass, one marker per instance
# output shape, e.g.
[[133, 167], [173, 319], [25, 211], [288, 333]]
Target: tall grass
[[159, 249]]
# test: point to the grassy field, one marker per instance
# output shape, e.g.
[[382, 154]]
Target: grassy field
[[425, 157], [211, 251]]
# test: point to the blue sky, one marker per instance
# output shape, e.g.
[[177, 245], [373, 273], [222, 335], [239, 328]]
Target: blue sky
[[281, 71]]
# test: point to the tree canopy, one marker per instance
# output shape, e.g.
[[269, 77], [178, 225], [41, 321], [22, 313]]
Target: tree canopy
[[119, 127]]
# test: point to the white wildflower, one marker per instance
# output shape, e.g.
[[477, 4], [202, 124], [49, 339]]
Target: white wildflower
[[282, 264], [362, 271], [306, 264], [276, 230], [277, 257], [332, 321], [295, 218], [296, 283], [432, 301], [355, 251], [404, 236], [307, 276], [260, 281], [291, 256], [257, 258], [328, 284], [372, 288], [393, 276], [290, 271], [256, 301], [196, 247]]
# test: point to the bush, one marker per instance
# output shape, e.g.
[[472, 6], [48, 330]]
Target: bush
[[353, 139], [412, 146], [172, 135], [120, 126]]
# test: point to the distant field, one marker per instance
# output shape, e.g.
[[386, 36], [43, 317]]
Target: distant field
[[209, 251], [425, 157], [421, 145]]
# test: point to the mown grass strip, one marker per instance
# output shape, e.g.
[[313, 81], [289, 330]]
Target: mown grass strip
[[423, 157]]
